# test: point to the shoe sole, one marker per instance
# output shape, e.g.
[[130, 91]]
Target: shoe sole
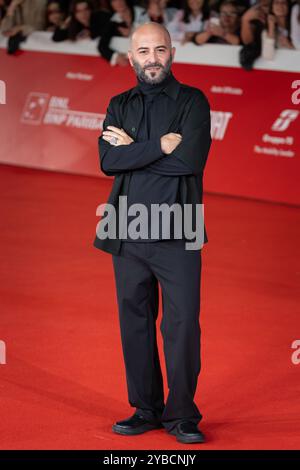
[[187, 440], [133, 432], [190, 440]]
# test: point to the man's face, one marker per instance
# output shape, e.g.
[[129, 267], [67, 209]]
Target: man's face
[[151, 55]]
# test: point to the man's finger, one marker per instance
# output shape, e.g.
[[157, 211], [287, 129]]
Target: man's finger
[[117, 130], [106, 137], [110, 138], [176, 135], [112, 134]]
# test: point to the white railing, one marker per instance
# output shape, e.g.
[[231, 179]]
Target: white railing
[[209, 54]]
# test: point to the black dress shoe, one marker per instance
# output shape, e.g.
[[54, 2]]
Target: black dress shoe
[[187, 432], [137, 424]]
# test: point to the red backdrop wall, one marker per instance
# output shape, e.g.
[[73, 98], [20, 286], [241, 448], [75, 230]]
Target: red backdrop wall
[[56, 103]]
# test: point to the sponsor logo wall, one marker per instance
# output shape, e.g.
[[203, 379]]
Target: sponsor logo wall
[[53, 106]]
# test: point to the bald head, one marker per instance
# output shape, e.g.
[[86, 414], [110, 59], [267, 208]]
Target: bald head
[[148, 30]]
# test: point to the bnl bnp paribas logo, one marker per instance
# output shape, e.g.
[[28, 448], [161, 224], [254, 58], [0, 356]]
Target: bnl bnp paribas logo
[[2, 92]]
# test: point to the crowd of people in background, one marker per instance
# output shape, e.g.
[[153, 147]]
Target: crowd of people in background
[[259, 26]]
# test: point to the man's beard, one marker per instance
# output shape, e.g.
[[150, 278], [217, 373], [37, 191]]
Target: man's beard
[[142, 76]]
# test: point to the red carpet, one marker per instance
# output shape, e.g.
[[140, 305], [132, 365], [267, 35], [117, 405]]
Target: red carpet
[[64, 383]]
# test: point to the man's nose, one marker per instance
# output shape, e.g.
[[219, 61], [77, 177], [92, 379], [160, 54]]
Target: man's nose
[[153, 57]]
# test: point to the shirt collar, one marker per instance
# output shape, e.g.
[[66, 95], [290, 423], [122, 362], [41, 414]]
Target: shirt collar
[[171, 89]]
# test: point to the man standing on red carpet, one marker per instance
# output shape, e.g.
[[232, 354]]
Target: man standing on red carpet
[[155, 142]]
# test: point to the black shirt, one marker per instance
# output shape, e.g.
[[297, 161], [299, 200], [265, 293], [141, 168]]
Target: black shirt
[[148, 187], [185, 111]]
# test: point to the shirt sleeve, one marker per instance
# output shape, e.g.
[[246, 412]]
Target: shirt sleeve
[[169, 165], [196, 139], [123, 158], [190, 155]]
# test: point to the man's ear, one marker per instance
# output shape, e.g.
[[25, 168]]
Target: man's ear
[[129, 55], [173, 50]]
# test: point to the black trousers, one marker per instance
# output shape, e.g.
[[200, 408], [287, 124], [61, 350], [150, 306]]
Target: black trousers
[[138, 269]]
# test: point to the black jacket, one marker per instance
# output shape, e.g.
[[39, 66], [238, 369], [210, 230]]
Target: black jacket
[[187, 112]]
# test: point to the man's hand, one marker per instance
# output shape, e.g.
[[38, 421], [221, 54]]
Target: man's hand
[[188, 36], [215, 30], [116, 136], [169, 142], [254, 13], [13, 31]]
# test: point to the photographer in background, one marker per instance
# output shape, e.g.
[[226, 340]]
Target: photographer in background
[[3, 7], [188, 20], [123, 20], [295, 25], [224, 29], [54, 15], [277, 31], [83, 22], [253, 22], [22, 17]]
